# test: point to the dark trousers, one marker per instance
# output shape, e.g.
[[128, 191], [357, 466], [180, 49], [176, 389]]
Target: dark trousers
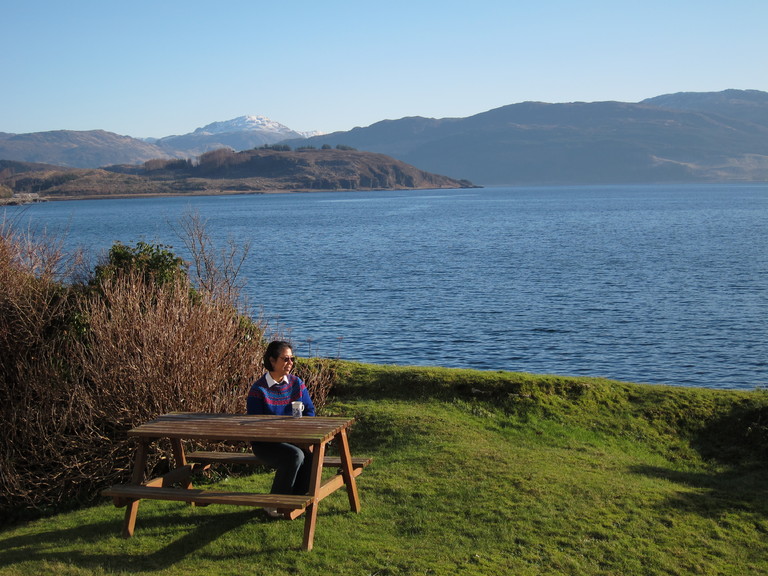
[[293, 466]]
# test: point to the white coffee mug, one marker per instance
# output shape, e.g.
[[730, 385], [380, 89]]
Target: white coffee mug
[[297, 408]]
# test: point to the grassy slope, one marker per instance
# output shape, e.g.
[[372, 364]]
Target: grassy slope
[[475, 473]]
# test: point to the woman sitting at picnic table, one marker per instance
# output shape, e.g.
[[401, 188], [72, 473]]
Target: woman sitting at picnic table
[[273, 394]]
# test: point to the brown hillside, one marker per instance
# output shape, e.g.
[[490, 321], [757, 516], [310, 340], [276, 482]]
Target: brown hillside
[[225, 171]]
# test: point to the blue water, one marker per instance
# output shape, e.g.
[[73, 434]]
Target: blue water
[[657, 284]]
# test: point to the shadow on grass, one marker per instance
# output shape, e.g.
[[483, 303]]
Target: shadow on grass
[[58, 545], [738, 441], [716, 493], [739, 436]]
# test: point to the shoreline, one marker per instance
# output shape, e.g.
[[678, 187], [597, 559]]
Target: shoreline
[[20, 202]]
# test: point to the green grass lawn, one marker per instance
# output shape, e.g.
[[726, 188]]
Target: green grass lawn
[[458, 486]]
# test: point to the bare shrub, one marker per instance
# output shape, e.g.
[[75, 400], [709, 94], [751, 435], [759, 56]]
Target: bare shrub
[[145, 351], [81, 364], [148, 351], [34, 401], [161, 350], [319, 374], [214, 271]]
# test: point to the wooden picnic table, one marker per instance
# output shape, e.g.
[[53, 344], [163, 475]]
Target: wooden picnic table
[[315, 432]]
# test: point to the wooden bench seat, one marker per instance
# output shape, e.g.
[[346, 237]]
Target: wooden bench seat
[[248, 458], [121, 493]]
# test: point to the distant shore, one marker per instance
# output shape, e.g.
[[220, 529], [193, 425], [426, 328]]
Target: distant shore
[[21, 199], [17, 201]]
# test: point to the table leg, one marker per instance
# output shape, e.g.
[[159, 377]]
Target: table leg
[[314, 491], [139, 466], [346, 471], [180, 459]]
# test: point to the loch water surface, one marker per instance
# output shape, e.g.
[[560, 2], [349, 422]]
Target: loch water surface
[[657, 284]]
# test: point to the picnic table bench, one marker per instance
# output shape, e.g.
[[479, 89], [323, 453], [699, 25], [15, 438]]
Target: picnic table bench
[[176, 485]]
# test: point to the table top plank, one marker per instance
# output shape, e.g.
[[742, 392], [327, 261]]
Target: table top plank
[[244, 427]]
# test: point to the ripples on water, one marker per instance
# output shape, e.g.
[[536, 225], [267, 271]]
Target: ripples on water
[[660, 284]]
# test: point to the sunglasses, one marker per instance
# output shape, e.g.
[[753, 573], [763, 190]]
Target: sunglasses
[[289, 359]]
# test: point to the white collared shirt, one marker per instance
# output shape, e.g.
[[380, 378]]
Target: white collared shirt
[[272, 382]]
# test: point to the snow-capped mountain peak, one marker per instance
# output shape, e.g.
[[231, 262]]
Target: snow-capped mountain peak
[[241, 133], [245, 124]]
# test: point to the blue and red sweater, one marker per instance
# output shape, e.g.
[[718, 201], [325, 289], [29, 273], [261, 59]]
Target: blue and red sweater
[[277, 400]]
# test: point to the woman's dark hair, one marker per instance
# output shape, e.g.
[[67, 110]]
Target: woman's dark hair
[[273, 350]]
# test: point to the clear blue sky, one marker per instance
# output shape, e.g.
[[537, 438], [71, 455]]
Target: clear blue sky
[[161, 67]]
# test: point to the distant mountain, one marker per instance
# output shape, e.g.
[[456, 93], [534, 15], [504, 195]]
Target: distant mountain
[[748, 105], [241, 133], [95, 148], [82, 149], [684, 137], [677, 138], [245, 124]]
